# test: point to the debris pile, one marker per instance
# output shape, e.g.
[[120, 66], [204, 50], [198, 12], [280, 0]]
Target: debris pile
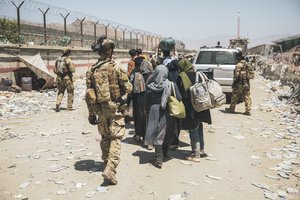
[[27, 103]]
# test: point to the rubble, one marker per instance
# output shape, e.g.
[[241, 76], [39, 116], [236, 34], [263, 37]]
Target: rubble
[[13, 104]]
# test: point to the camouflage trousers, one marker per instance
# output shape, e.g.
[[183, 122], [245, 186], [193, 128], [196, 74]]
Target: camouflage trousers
[[240, 92], [62, 86], [111, 127]]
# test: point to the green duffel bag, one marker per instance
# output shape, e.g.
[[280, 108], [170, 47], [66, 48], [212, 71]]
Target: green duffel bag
[[167, 44]]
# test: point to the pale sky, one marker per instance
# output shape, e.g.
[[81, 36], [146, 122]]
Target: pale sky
[[195, 20]]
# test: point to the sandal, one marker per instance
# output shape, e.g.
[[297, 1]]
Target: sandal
[[193, 158]]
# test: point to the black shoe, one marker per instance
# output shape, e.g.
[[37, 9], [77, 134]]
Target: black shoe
[[203, 155], [156, 164], [57, 108]]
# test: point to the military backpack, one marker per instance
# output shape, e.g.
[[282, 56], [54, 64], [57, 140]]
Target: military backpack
[[98, 90], [61, 66]]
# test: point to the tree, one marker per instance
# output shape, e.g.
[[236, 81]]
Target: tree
[[9, 31]]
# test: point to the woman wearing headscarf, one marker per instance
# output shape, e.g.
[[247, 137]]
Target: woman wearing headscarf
[[172, 135], [159, 90], [193, 120], [140, 77]]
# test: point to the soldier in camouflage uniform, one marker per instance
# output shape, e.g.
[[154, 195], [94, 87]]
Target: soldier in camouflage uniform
[[241, 85], [64, 69], [111, 125]]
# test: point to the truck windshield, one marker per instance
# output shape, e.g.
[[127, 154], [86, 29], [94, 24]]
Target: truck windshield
[[225, 57], [216, 57]]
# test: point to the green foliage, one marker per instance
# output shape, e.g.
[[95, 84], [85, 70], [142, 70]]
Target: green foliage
[[64, 41], [9, 32]]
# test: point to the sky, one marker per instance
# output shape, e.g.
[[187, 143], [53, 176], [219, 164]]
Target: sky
[[197, 21]]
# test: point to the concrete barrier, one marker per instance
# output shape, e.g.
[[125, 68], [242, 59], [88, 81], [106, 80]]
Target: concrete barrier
[[83, 58]]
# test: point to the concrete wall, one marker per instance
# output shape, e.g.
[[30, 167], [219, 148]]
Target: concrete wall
[[83, 58]]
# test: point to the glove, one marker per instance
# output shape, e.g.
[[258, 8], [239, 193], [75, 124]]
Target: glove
[[123, 104], [93, 119]]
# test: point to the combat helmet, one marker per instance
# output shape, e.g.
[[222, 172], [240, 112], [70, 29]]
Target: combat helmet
[[103, 45], [66, 51]]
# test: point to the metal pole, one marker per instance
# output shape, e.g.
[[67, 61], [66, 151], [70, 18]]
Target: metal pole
[[116, 34], [106, 27], [45, 29], [65, 22], [18, 16], [81, 32], [124, 42], [131, 44], [95, 30], [137, 39], [143, 40], [147, 36]]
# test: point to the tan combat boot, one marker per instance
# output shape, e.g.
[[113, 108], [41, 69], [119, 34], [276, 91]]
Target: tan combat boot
[[109, 175]]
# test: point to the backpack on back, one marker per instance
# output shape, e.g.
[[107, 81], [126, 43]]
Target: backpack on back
[[99, 87], [61, 66]]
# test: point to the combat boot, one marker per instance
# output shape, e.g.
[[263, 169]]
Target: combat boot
[[229, 110], [57, 108], [159, 157], [109, 175], [247, 113]]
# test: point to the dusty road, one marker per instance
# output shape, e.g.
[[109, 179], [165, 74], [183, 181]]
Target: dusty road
[[57, 156]]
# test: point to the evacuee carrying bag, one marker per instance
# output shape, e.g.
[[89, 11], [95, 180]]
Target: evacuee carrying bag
[[176, 108], [200, 97], [217, 97]]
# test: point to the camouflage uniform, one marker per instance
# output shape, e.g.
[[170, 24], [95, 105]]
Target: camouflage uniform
[[65, 81], [111, 124], [241, 85]]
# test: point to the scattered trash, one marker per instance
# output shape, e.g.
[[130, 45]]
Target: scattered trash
[[185, 162], [284, 175], [255, 157], [101, 189], [270, 195], [297, 173], [23, 156], [53, 159], [90, 194], [25, 184], [272, 177], [214, 177], [79, 185], [57, 168], [261, 186], [86, 132], [281, 193], [12, 166], [61, 192], [190, 183], [36, 156], [292, 190], [181, 196]]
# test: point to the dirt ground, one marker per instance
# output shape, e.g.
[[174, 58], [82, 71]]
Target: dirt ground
[[56, 156]]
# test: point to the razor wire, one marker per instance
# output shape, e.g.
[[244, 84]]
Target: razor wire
[[37, 7]]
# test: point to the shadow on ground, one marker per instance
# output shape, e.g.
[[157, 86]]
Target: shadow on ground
[[89, 165]]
